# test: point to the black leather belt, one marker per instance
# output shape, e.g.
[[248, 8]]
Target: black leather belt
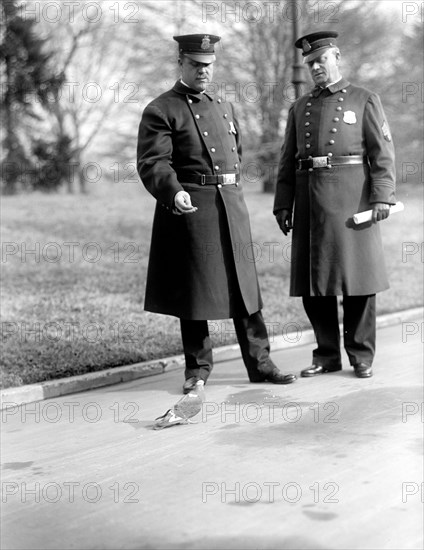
[[210, 179], [312, 163]]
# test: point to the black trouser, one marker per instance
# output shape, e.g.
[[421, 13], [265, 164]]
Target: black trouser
[[359, 328], [252, 337]]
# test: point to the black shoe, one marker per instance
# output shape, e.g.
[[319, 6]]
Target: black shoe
[[277, 377], [362, 370], [271, 373], [189, 384], [317, 369]]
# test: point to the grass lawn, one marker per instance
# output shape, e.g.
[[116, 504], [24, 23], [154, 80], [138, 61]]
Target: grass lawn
[[74, 272]]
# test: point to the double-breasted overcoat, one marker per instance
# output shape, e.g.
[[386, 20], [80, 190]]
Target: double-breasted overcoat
[[201, 264], [330, 254]]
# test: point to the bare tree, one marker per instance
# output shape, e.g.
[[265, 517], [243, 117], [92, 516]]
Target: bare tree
[[96, 56]]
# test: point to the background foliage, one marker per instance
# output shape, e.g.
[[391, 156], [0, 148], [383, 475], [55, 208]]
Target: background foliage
[[81, 73]]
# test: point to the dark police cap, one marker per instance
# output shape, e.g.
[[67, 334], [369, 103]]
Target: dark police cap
[[199, 47], [314, 44]]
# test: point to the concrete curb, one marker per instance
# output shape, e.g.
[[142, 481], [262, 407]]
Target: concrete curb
[[12, 397]]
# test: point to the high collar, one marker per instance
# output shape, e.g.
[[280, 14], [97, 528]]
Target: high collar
[[185, 90], [333, 88]]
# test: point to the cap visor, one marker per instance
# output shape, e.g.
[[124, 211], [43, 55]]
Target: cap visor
[[201, 57], [315, 54]]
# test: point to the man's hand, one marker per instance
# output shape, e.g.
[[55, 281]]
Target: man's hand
[[182, 204], [380, 211], [284, 220]]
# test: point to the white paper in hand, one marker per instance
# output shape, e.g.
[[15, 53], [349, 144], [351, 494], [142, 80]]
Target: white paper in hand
[[366, 216]]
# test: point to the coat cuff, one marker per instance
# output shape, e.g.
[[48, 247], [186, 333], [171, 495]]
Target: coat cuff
[[382, 191]]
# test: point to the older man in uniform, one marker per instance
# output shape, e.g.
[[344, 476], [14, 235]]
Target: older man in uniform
[[188, 157], [337, 159]]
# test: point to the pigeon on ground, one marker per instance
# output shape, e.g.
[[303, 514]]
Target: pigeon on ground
[[187, 407]]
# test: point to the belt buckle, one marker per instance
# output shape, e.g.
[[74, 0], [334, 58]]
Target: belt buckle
[[319, 162], [228, 179]]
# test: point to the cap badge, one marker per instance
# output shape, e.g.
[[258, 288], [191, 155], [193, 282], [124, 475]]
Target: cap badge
[[206, 42], [306, 46]]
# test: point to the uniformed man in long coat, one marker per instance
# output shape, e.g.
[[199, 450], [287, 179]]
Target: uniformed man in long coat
[[337, 159], [188, 157]]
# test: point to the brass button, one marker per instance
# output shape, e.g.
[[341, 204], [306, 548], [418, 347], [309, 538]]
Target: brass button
[[197, 116], [205, 134], [333, 130], [225, 116], [233, 148], [310, 169], [338, 108], [236, 165], [308, 134], [219, 185], [343, 91], [216, 167], [307, 113], [307, 123], [308, 104], [213, 149], [340, 99], [331, 142], [190, 100], [336, 119], [219, 100], [308, 146], [329, 154]]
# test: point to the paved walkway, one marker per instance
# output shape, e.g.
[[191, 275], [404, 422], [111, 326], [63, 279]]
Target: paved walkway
[[328, 463]]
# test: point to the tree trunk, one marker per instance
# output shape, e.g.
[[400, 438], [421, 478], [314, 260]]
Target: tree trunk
[[11, 145]]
